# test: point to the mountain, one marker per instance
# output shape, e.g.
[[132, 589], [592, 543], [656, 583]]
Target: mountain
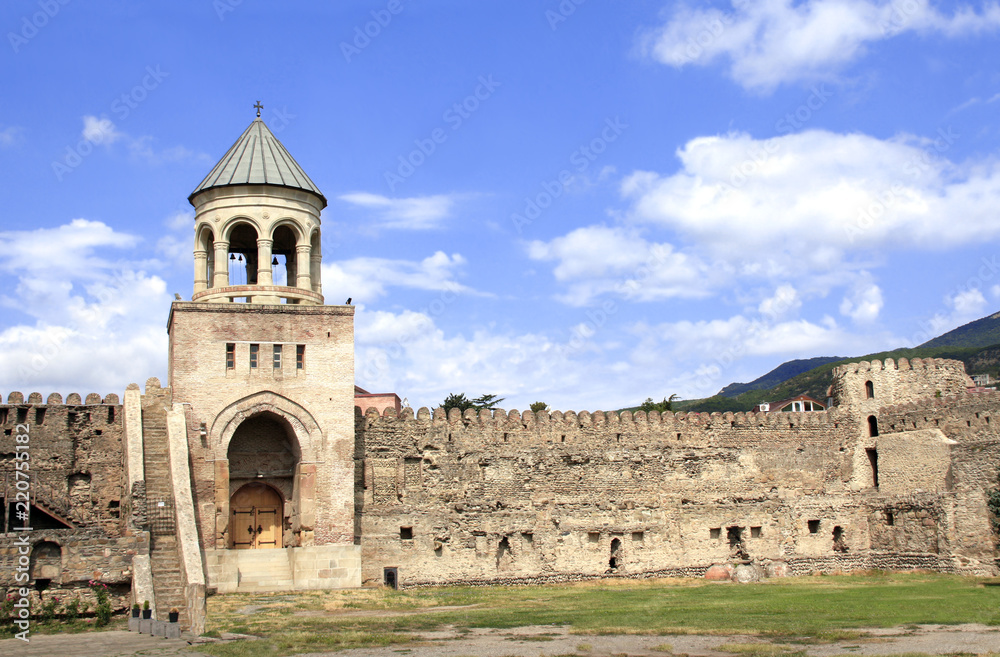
[[980, 333], [779, 375], [816, 381]]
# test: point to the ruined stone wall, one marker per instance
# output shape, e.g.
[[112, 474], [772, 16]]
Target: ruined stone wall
[[76, 486], [491, 497], [76, 460], [969, 421], [496, 497], [899, 382]]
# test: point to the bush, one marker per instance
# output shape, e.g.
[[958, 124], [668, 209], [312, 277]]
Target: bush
[[103, 610], [48, 610], [71, 609]]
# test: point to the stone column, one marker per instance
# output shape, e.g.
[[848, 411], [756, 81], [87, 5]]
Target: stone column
[[303, 280], [316, 269], [264, 262], [221, 264], [200, 270]]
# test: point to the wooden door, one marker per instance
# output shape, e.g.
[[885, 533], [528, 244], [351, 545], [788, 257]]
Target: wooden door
[[255, 518]]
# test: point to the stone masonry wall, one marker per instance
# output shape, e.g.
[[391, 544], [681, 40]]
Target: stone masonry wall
[[77, 475], [497, 497]]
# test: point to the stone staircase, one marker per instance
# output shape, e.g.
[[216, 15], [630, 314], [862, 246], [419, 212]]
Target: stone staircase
[[168, 585]]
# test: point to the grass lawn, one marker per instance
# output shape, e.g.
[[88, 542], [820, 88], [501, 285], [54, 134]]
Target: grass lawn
[[800, 609]]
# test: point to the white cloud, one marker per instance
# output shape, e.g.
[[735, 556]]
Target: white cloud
[[100, 131], [87, 322], [409, 354], [10, 135], [816, 201], [103, 131], [414, 213], [785, 301], [768, 42], [596, 260], [366, 279], [863, 304]]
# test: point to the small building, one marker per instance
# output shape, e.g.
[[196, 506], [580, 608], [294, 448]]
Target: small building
[[799, 404], [380, 401]]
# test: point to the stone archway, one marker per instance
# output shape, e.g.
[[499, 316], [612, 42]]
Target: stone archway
[[263, 458], [235, 465]]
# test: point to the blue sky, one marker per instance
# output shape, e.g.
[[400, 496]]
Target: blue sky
[[583, 203]]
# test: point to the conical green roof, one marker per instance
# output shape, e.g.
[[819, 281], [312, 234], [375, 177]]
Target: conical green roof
[[258, 158]]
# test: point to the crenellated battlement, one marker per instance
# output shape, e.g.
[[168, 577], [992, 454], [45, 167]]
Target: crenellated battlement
[[55, 399], [527, 419]]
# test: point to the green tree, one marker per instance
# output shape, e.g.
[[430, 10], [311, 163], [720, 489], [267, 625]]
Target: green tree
[[461, 402], [539, 406], [488, 402], [456, 400], [665, 406]]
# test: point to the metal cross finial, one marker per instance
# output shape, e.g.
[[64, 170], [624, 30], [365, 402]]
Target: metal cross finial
[[259, 107]]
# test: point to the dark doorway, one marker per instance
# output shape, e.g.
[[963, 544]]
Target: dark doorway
[[391, 577], [616, 554], [872, 426]]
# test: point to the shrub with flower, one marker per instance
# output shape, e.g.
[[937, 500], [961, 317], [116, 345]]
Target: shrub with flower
[[48, 610], [102, 612]]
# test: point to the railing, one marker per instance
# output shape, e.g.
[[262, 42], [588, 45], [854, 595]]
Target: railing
[[274, 294]]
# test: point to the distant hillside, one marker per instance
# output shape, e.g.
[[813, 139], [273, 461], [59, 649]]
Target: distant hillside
[[816, 381], [980, 333], [779, 375]]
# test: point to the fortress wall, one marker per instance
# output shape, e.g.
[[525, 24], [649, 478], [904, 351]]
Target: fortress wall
[[76, 470], [494, 496], [970, 420], [76, 453], [897, 382]]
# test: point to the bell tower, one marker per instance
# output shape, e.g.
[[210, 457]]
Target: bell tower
[[257, 226], [264, 371]]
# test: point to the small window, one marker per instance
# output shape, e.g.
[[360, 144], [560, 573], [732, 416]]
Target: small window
[[300, 356], [755, 532], [111, 414], [406, 533], [890, 518], [873, 460], [869, 390], [715, 532], [254, 352], [872, 426], [39, 416], [3, 416], [22, 415], [277, 356], [813, 526], [230, 356], [638, 537], [593, 537]]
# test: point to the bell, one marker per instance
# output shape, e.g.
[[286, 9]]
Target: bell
[[274, 261]]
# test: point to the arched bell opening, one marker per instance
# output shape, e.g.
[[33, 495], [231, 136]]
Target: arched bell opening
[[283, 263], [243, 255], [263, 460]]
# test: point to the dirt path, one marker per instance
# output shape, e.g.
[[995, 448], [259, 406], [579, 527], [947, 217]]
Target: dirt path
[[548, 641]]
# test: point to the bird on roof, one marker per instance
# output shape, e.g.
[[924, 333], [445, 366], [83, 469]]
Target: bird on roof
[[348, 302]]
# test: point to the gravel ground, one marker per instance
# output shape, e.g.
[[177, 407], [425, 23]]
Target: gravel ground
[[548, 641]]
